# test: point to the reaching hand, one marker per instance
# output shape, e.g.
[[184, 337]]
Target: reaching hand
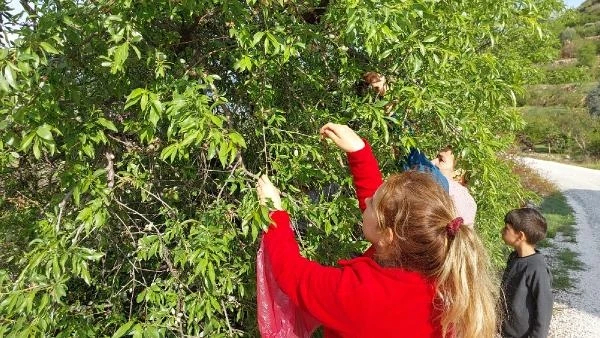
[[267, 191], [344, 137]]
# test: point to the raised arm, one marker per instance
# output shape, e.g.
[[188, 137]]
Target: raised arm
[[363, 164], [315, 288]]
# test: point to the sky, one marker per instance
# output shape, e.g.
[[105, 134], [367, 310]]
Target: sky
[[573, 3]]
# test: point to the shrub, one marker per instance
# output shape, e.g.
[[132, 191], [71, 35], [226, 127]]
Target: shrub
[[568, 34], [592, 101], [586, 53], [563, 75], [560, 129]]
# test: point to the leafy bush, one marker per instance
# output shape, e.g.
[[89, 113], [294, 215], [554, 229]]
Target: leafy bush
[[594, 146], [563, 75], [568, 34], [588, 29], [560, 129], [134, 131], [586, 54]]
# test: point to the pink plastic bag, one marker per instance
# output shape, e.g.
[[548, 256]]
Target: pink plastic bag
[[277, 316]]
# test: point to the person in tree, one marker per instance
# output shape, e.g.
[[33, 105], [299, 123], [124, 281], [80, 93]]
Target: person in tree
[[442, 170], [527, 281], [427, 274], [463, 201]]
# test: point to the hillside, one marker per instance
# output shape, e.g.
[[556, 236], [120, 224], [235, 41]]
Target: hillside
[[556, 105], [590, 7]]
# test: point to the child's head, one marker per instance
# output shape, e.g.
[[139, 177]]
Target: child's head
[[524, 224], [408, 220]]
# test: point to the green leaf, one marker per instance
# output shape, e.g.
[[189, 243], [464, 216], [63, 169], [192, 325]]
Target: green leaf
[[223, 151], [257, 37], [49, 48], [151, 332], [137, 51], [237, 139], [107, 124], [144, 102], [123, 330], [245, 63], [134, 97], [137, 331], [417, 65], [44, 131], [121, 54], [9, 75], [154, 116], [169, 151], [27, 141], [37, 153], [4, 86], [156, 106], [211, 274]]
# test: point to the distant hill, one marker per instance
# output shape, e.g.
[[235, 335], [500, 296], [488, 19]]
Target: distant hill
[[590, 7]]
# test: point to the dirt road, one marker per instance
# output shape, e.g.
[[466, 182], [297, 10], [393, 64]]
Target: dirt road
[[577, 313]]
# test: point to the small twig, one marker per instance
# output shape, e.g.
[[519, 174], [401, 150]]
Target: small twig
[[134, 211], [128, 145], [237, 163], [265, 149], [227, 318], [61, 208], [110, 169], [171, 209]]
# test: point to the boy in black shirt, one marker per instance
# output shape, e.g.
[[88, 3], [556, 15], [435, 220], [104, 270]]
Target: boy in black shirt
[[526, 282]]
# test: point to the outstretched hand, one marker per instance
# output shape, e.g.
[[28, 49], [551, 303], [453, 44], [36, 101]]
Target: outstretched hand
[[267, 191], [344, 137]]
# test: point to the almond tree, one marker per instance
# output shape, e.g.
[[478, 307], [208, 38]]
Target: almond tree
[[131, 134]]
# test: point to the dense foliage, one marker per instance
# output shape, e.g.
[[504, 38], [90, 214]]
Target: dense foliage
[[131, 133]]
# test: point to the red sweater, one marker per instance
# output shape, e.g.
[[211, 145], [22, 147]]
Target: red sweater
[[359, 298]]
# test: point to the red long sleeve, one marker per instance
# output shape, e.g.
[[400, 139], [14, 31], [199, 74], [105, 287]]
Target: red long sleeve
[[308, 284], [359, 298], [365, 174]]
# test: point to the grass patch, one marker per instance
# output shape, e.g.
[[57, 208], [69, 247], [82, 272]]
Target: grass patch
[[559, 217], [532, 181], [568, 261], [561, 220]]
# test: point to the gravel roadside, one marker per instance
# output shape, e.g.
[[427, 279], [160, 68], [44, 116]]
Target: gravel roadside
[[577, 312]]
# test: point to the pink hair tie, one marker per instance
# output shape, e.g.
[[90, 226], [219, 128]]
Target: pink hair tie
[[453, 226]]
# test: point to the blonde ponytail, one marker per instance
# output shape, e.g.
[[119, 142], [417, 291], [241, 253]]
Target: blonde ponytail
[[466, 289], [418, 211]]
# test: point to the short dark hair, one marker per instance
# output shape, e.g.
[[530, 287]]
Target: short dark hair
[[530, 221]]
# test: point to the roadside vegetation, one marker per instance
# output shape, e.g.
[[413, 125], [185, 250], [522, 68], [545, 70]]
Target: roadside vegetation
[[561, 105]]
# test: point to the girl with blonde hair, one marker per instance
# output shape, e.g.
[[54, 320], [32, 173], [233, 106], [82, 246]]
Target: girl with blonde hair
[[426, 274]]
